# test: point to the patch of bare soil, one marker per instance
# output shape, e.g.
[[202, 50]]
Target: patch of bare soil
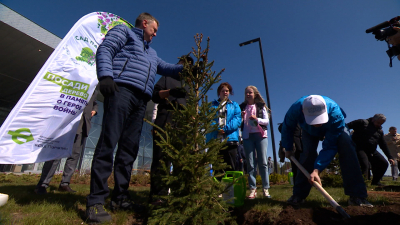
[[389, 188], [389, 214], [379, 214]]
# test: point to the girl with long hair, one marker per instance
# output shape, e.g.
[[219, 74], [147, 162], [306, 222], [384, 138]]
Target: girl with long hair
[[255, 141]]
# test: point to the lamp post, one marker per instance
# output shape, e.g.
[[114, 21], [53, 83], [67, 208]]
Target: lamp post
[[268, 101]]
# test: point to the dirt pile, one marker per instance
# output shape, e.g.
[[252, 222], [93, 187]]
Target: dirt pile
[[389, 214], [380, 214]]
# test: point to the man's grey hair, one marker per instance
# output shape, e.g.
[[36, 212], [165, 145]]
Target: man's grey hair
[[379, 116], [145, 16]]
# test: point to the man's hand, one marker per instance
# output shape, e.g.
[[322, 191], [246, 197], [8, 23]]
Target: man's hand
[[221, 132], [178, 92], [93, 113], [288, 154], [314, 176], [391, 161], [163, 94], [108, 86], [394, 39]]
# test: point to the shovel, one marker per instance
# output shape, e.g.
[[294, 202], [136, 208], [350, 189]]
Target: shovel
[[332, 201]]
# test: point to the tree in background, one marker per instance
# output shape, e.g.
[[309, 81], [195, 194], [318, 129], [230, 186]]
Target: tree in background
[[331, 177], [193, 197], [334, 166]]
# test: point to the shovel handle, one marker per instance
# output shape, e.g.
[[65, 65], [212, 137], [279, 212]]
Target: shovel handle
[[316, 184], [332, 201]]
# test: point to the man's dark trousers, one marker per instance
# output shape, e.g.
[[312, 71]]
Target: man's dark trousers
[[378, 162], [122, 124]]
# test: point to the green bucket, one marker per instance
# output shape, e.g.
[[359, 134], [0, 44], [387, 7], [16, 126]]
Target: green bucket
[[236, 193]]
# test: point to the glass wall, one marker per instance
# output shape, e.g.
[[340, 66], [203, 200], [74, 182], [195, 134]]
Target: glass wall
[[143, 161], [145, 154]]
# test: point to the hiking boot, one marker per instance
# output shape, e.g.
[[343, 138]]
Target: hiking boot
[[65, 188], [126, 205], [360, 202], [266, 193], [295, 201], [97, 214], [253, 194], [40, 190]]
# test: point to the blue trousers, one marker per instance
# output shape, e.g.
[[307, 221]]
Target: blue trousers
[[122, 125], [256, 144], [353, 181]]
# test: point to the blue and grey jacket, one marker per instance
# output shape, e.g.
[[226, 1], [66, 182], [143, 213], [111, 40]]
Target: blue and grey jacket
[[126, 57], [233, 121], [330, 130]]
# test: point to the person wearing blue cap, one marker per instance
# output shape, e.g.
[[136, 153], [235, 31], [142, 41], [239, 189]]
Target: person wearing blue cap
[[320, 118]]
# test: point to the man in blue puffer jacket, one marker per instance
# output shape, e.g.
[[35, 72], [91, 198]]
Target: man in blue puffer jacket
[[126, 69]]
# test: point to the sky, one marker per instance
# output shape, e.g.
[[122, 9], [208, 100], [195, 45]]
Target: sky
[[309, 46]]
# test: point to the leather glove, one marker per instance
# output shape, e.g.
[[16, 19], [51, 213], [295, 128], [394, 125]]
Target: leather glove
[[195, 70], [177, 92], [108, 86], [288, 154]]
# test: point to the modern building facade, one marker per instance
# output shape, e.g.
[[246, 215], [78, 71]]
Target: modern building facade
[[24, 48]]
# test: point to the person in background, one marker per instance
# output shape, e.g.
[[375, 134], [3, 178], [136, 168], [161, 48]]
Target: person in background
[[154, 113], [395, 39], [368, 134], [392, 140], [241, 157], [255, 139], [229, 123], [270, 166], [126, 67], [167, 92], [50, 167], [297, 148], [320, 118]]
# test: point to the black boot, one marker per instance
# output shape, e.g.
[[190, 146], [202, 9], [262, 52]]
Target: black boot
[[65, 188], [97, 214]]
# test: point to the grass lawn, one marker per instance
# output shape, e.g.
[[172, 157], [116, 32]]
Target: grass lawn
[[25, 207]]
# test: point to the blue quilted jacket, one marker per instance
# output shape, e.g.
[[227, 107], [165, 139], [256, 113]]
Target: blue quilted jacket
[[329, 131], [233, 121], [126, 57]]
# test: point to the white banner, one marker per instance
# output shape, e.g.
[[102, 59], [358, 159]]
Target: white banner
[[43, 124]]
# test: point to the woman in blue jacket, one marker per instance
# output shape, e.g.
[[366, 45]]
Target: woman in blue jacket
[[230, 124]]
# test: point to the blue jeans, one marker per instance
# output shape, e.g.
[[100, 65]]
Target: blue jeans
[[353, 181], [256, 143], [122, 124]]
